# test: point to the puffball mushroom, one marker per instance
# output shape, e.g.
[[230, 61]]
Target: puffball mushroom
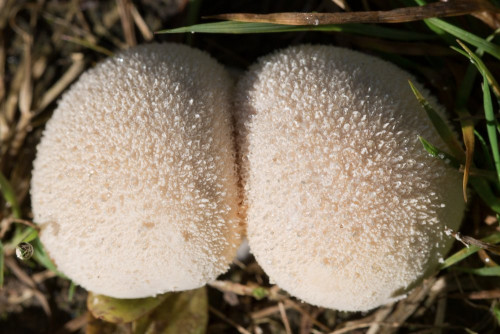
[[345, 209], [134, 185]]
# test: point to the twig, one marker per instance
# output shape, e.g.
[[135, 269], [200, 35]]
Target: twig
[[380, 315], [266, 312], [229, 321], [393, 325], [127, 25], [477, 295], [20, 274], [291, 304], [75, 324], [23, 277], [68, 77], [141, 24], [284, 318], [440, 314]]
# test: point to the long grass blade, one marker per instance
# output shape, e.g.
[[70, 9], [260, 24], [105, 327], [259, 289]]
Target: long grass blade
[[479, 184], [9, 195], [231, 27], [397, 15], [486, 156], [449, 137], [491, 125], [438, 26], [483, 189], [482, 68], [42, 257], [89, 45], [440, 126], [485, 271], [468, 37], [71, 291]]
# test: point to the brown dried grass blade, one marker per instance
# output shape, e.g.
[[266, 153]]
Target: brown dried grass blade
[[25, 100], [68, 77], [141, 24], [221, 315], [469, 140], [127, 22], [478, 295], [284, 318], [406, 14]]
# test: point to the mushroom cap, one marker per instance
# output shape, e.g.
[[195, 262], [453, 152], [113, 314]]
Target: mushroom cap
[[345, 209], [134, 185]]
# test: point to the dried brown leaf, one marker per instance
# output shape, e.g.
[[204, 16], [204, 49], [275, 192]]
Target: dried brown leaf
[[406, 14]]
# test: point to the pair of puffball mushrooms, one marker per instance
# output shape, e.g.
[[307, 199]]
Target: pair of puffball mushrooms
[[138, 189]]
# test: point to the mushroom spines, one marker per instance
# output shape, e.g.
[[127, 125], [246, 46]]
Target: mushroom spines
[[345, 208], [134, 181]]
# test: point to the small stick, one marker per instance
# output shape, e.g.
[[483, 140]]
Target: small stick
[[284, 318]]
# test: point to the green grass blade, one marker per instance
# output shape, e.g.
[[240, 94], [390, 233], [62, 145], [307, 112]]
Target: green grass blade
[[480, 185], [42, 257], [465, 89], [233, 27], [10, 197], [193, 11], [31, 236], [491, 125], [89, 45], [436, 152], [467, 251], [485, 271], [438, 31], [71, 291], [22, 234], [1, 264], [496, 312], [483, 189], [486, 157], [468, 37], [481, 67], [438, 26], [440, 126]]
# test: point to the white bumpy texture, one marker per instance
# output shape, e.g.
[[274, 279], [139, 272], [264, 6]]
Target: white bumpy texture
[[345, 209], [134, 185]]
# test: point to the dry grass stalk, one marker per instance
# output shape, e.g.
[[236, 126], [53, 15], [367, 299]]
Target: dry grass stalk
[[399, 15]]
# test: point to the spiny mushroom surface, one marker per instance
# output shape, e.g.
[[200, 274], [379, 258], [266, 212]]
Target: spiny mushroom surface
[[345, 209], [134, 185]]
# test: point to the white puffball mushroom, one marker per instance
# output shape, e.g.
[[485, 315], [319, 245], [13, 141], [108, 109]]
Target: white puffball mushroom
[[345, 209], [134, 185]]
